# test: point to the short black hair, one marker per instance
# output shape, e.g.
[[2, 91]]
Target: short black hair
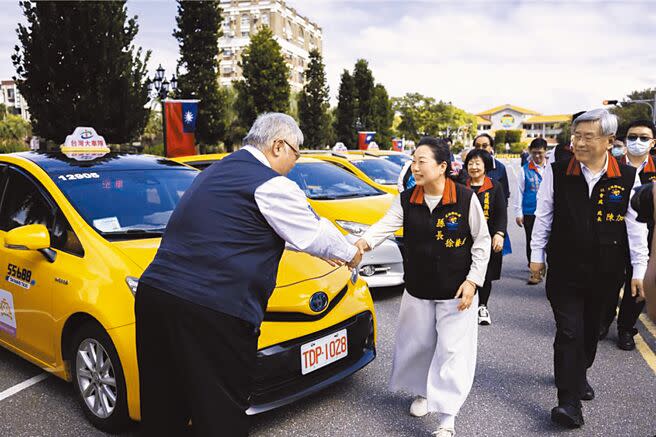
[[440, 150], [538, 143], [485, 157], [643, 123], [488, 136]]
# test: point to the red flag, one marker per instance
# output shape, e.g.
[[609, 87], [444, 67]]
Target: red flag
[[364, 138], [180, 127]]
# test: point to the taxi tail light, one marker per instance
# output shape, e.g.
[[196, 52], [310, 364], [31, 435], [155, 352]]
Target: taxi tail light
[[133, 283]]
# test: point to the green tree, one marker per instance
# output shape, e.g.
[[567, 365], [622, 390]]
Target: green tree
[[199, 28], [152, 138], [265, 87], [363, 80], [313, 103], [14, 132], [422, 115], [628, 112], [77, 65], [382, 116], [344, 126]]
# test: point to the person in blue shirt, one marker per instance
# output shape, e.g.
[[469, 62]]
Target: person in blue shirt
[[498, 172]]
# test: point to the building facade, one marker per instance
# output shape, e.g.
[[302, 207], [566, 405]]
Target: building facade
[[531, 123], [296, 35], [12, 99]]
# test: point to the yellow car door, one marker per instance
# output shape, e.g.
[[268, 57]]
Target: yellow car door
[[30, 279]]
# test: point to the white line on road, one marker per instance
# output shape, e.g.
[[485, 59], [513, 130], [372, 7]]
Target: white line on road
[[22, 386]]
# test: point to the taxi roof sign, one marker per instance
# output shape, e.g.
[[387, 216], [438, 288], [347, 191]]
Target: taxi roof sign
[[84, 144], [84, 140]]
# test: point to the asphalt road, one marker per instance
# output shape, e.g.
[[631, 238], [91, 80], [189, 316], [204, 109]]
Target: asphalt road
[[512, 394]]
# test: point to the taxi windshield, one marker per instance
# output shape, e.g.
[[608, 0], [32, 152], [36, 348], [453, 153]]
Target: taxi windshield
[[323, 181], [397, 159], [379, 170], [126, 204]]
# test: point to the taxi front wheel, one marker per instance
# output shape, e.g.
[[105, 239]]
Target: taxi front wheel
[[98, 379]]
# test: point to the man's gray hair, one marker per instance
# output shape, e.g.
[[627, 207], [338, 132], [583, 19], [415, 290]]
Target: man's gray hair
[[273, 126], [607, 121]]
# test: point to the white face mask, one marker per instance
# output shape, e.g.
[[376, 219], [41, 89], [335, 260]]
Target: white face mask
[[617, 152], [637, 147]]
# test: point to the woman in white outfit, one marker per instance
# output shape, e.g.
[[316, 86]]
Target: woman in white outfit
[[447, 248]]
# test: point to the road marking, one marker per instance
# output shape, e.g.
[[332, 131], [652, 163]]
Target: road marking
[[22, 386], [646, 352], [648, 324]]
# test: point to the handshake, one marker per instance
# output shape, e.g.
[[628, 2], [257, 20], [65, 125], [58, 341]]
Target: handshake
[[362, 247]]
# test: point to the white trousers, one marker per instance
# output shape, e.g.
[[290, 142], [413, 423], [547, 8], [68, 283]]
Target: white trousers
[[435, 351]]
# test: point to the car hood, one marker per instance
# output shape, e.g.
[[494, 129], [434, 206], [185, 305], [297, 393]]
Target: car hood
[[365, 210], [299, 275]]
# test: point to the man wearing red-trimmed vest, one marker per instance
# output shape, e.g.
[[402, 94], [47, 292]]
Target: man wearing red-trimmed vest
[[639, 142], [586, 227]]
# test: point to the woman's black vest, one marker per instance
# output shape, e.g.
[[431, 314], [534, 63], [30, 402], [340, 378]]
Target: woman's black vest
[[438, 244], [588, 233]]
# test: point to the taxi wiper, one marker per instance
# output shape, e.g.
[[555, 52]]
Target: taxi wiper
[[133, 231]]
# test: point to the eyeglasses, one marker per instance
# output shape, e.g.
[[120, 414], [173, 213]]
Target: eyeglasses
[[297, 154], [643, 138], [482, 146], [587, 139]]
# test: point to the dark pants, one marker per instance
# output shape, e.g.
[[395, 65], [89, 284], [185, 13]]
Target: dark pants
[[529, 221], [577, 311], [484, 292], [194, 364], [630, 308]]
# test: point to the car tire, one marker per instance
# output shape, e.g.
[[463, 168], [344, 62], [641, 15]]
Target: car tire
[[98, 379]]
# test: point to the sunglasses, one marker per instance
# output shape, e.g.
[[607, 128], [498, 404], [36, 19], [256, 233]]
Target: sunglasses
[[643, 138]]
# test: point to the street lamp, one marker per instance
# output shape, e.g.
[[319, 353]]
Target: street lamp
[[159, 88], [649, 102]]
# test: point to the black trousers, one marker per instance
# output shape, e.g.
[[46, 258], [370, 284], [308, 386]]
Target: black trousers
[[484, 292], [529, 221], [630, 308], [194, 364], [577, 311]]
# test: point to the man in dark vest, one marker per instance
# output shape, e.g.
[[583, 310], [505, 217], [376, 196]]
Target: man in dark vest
[[639, 142], [200, 303], [586, 227], [498, 173]]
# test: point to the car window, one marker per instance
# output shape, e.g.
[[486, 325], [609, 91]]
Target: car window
[[24, 203], [323, 181], [379, 170], [126, 204]]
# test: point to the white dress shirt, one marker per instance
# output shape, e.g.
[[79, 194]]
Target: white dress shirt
[[481, 246], [285, 207], [637, 232], [518, 196]]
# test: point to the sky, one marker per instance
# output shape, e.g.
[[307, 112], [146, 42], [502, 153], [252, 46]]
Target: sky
[[553, 57]]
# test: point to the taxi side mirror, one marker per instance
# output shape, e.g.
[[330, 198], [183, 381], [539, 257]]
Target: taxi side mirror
[[31, 237]]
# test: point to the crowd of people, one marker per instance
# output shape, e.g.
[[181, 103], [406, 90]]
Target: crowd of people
[[574, 205]]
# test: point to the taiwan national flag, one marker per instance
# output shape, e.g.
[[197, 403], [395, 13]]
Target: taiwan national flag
[[364, 138], [180, 127], [397, 144]]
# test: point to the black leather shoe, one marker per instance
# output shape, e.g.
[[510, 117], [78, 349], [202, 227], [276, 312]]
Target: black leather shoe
[[588, 393], [625, 340], [567, 415], [603, 332]]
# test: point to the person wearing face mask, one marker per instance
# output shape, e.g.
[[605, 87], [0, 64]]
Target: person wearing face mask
[[525, 198], [618, 150], [447, 248], [639, 142]]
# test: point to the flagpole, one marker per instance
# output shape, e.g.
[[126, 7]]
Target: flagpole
[[164, 126]]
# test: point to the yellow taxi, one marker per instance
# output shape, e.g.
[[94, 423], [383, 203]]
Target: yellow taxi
[[379, 173], [347, 201], [76, 233]]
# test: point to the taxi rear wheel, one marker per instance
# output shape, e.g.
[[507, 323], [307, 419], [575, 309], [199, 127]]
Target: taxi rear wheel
[[98, 379]]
